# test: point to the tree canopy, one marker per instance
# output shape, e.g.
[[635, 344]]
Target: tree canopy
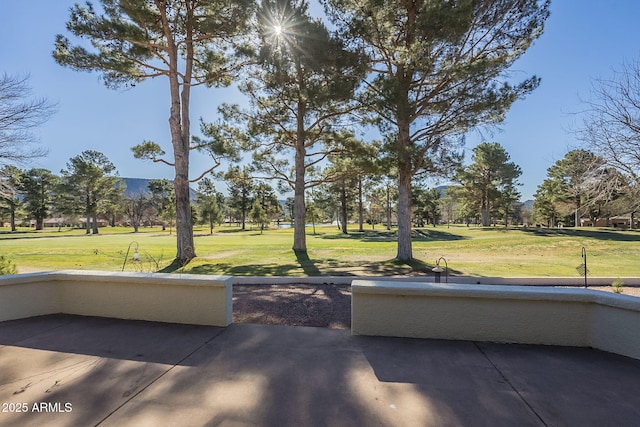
[[90, 178], [19, 115], [581, 183], [38, 187], [489, 181], [611, 126]]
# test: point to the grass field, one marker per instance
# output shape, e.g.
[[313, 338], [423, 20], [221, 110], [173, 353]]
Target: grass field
[[493, 251]]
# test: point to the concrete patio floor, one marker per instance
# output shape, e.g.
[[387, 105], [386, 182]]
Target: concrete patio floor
[[83, 371]]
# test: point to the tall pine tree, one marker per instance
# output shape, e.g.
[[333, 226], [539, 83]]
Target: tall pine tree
[[190, 42], [438, 69], [300, 90]]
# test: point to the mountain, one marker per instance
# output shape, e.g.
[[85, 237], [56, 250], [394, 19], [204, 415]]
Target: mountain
[[443, 190], [527, 205], [138, 186]]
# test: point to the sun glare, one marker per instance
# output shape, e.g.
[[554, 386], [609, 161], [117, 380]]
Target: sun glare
[[277, 29]]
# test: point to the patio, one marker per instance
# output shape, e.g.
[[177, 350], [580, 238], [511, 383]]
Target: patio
[[81, 371]]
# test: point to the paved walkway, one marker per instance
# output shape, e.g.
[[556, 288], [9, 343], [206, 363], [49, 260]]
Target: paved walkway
[[82, 371]]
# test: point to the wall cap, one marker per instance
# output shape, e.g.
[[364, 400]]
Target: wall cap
[[525, 293]]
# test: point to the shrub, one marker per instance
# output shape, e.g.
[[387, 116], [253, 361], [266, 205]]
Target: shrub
[[7, 266], [617, 286]]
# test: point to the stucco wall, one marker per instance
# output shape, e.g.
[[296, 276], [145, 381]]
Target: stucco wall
[[26, 296], [192, 299], [572, 317], [615, 325]]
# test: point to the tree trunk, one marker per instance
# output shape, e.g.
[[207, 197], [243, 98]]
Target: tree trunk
[[243, 209], [12, 219], [486, 218], [87, 215], [299, 236], [94, 221], [388, 207], [343, 208], [405, 251], [360, 206], [180, 139], [299, 209], [484, 210], [405, 165], [185, 248], [184, 231]]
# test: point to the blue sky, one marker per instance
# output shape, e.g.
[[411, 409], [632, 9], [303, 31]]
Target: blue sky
[[583, 39]]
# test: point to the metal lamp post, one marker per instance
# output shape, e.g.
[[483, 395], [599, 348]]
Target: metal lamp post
[[439, 270]]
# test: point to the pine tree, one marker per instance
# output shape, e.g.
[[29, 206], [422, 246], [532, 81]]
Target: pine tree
[[300, 90], [259, 215], [190, 42], [10, 177], [90, 178], [439, 68], [240, 186], [208, 206], [489, 181], [38, 188]]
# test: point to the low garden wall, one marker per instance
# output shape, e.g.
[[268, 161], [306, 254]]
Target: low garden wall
[[475, 312], [174, 298], [518, 314]]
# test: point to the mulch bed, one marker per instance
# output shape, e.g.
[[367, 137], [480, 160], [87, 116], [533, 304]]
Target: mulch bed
[[321, 305]]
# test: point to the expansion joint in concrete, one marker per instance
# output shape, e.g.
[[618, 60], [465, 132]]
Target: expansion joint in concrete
[[165, 372], [506, 380]]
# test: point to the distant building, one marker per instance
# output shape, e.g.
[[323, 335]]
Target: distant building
[[619, 221], [66, 222]]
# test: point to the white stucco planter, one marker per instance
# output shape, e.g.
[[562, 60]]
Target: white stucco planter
[[174, 298], [518, 314]]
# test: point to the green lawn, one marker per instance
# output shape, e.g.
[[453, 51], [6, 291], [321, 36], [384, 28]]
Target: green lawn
[[479, 251]]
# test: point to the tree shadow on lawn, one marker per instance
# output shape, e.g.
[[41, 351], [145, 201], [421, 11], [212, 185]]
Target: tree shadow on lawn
[[305, 266], [320, 267], [46, 234], [432, 234], [365, 236], [496, 229], [620, 236], [234, 230], [308, 266], [269, 269], [395, 267], [391, 236]]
